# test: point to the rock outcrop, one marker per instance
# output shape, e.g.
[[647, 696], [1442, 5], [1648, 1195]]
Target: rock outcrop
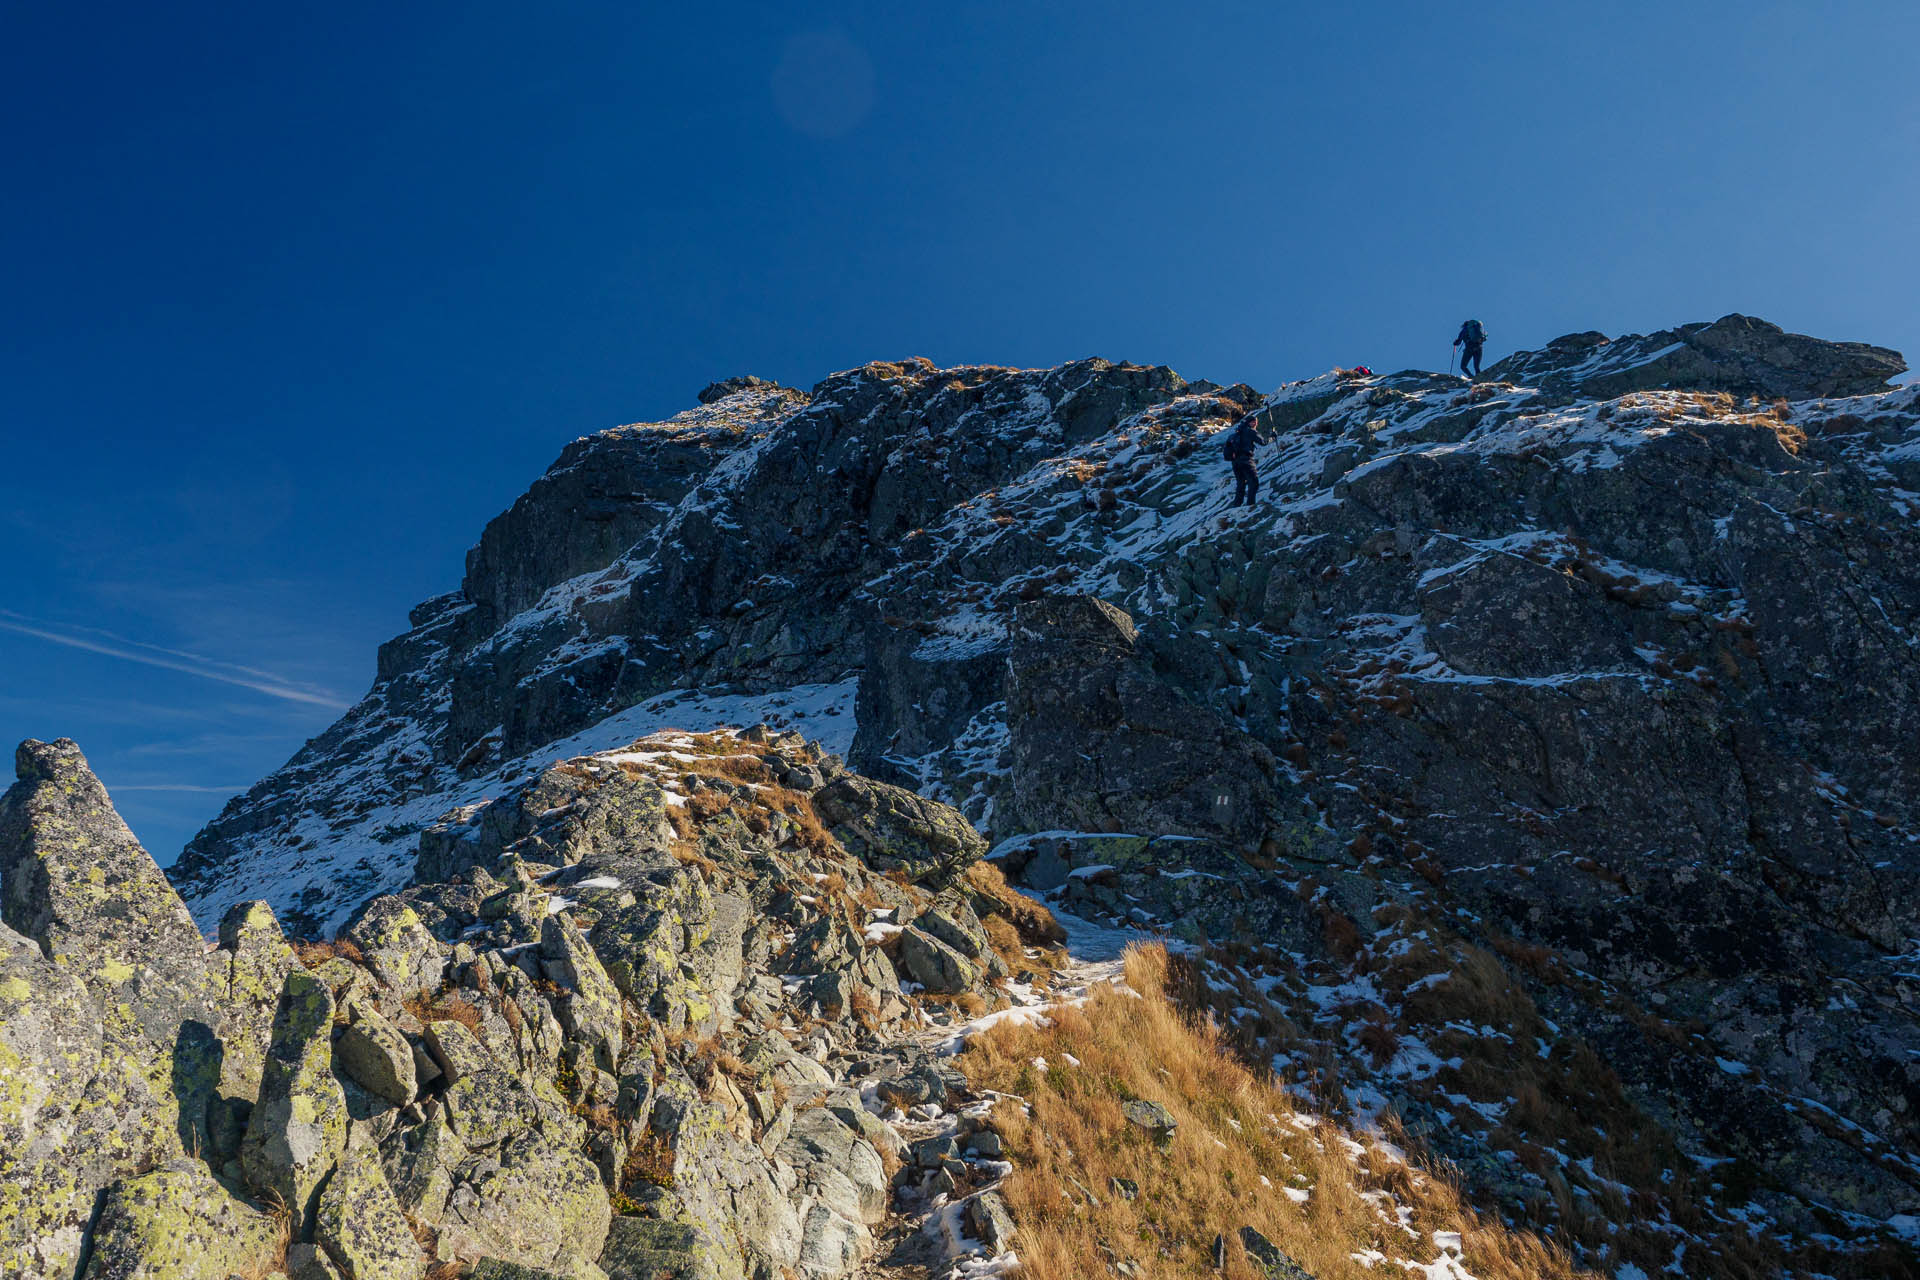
[[109, 1053], [1735, 354], [662, 1049]]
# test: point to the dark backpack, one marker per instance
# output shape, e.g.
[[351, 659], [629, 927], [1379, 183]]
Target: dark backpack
[[1238, 444], [1475, 331]]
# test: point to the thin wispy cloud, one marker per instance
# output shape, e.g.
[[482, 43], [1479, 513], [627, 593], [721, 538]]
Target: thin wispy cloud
[[178, 786], [106, 643]]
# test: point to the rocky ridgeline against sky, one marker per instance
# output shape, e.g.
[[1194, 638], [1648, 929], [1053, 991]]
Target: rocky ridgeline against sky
[[1532, 772]]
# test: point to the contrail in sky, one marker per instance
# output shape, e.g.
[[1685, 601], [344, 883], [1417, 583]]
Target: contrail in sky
[[172, 660]]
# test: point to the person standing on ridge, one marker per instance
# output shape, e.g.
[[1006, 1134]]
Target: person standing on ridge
[[1472, 337], [1241, 439]]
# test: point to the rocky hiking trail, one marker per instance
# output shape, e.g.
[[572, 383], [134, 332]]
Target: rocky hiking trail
[[940, 1237]]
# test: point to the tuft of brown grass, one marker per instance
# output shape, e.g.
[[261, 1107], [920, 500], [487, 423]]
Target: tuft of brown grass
[[649, 1160], [1377, 1036], [426, 1236], [687, 854], [444, 1008], [971, 1003], [738, 768], [1339, 932], [706, 805], [275, 1261], [1235, 1151], [710, 1056], [863, 1009], [315, 954], [807, 827], [1032, 921]]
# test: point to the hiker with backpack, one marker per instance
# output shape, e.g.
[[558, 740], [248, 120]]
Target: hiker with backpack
[[1472, 337], [1238, 447]]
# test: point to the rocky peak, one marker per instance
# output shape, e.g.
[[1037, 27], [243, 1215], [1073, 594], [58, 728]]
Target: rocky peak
[[731, 386], [64, 852], [1737, 354]]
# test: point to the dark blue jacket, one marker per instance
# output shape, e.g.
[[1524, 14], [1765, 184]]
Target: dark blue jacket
[[1239, 446]]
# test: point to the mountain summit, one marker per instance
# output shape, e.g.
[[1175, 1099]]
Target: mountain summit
[[1531, 771]]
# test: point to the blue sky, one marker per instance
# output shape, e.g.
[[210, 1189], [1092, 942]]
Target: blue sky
[[299, 296]]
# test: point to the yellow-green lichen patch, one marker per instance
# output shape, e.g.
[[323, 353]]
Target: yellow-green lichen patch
[[179, 1224], [115, 972]]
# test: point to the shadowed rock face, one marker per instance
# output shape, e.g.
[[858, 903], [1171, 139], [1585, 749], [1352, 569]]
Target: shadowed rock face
[[1735, 354], [1601, 669], [1099, 742]]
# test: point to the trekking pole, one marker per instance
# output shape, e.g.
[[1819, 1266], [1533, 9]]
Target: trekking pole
[[1450, 354]]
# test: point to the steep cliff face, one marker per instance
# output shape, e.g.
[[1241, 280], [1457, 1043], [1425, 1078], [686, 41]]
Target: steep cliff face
[[746, 578], [1589, 697]]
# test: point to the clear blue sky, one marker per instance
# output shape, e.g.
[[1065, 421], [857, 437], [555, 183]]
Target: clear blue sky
[[297, 296]]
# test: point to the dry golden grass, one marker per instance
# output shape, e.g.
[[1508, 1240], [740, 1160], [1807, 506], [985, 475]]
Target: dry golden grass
[[1006, 941], [688, 854], [650, 1160], [444, 1008], [1234, 1153], [863, 1009], [739, 768], [705, 805], [1775, 417], [1033, 922], [274, 1263], [1022, 932], [315, 954], [971, 1003], [807, 827], [711, 1057]]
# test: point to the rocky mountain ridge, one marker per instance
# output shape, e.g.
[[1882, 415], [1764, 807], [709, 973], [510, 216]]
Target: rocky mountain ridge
[[1532, 770]]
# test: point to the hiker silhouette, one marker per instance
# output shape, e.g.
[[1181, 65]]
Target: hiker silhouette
[[1471, 338], [1239, 452]]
